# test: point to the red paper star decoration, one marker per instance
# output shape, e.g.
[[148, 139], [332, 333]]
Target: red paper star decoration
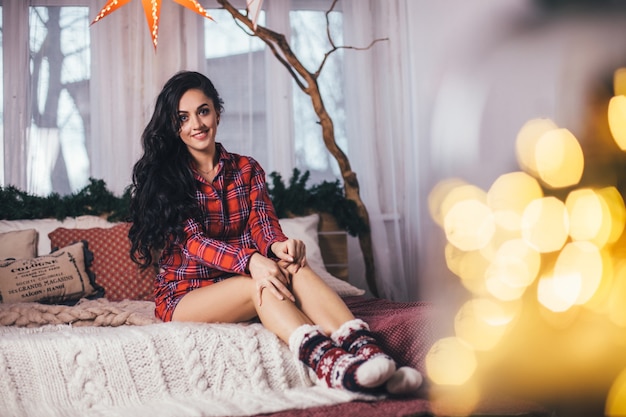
[[152, 9]]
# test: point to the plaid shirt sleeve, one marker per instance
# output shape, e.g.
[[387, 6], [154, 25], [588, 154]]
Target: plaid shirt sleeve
[[263, 222]]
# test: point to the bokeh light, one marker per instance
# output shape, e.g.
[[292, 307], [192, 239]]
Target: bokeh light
[[616, 399], [589, 216], [469, 225], [617, 212], [616, 304], [440, 192], [450, 361], [482, 323], [545, 224], [578, 270], [509, 195], [526, 143], [559, 158], [555, 297], [599, 302], [456, 192], [617, 120], [469, 266], [619, 82], [514, 267], [544, 261]]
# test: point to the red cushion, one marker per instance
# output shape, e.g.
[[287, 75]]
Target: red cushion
[[121, 278]]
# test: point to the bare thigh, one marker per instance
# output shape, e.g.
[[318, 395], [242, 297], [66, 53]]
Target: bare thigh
[[228, 301]]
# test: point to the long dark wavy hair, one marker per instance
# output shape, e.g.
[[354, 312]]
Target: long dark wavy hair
[[163, 186]]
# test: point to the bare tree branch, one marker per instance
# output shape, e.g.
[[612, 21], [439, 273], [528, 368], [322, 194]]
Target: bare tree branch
[[307, 82], [327, 15], [334, 47], [275, 41]]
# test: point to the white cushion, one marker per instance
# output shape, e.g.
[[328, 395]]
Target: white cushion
[[305, 229], [18, 244]]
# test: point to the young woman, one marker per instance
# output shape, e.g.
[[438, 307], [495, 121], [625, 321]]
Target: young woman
[[223, 256]]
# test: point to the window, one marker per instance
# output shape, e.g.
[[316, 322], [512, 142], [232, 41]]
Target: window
[[310, 41], [236, 62], [49, 125], [60, 72], [58, 139]]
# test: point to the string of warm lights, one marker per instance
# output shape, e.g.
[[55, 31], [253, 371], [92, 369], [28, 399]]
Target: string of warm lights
[[520, 251]]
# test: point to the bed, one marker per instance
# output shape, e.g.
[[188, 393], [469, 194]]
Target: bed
[[81, 354]]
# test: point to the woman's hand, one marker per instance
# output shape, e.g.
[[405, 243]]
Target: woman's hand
[[268, 274], [291, 252]]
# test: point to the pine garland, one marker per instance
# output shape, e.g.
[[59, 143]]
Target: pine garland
[[95, 199], [329, 197]]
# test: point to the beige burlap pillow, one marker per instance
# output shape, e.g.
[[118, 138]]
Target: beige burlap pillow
[[61, 277]]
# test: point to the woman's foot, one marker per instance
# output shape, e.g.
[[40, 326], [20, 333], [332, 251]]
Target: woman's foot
[[355, 337], [335, 366]]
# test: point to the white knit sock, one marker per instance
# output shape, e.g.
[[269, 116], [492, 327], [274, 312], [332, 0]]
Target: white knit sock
[[404, 381], [375, 371], [355, 337]]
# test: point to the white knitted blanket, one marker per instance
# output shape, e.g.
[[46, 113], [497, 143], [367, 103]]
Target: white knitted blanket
[[156, 370]]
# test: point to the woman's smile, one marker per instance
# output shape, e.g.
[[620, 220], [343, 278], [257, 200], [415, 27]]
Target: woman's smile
[[200, 135], [198, 122]]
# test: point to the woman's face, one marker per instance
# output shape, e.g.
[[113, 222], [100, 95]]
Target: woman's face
[[198, 121]]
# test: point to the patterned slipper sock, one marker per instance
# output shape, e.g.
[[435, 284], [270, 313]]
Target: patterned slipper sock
[[355, 337], [332, 364]]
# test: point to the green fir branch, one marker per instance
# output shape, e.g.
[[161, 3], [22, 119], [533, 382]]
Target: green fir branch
[[297, 199], [95, 199], [293, 199]]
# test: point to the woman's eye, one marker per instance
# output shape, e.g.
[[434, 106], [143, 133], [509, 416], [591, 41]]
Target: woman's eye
[[204, 112], [183, 118]]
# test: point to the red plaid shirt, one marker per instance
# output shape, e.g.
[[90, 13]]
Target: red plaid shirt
[[239, 221]]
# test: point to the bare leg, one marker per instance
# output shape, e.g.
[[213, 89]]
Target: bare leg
[[233, 301], [318, 301]]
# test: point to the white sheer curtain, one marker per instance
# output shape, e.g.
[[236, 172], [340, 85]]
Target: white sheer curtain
[[381, 136], [128, 75], [16, 92], [392, 90]]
